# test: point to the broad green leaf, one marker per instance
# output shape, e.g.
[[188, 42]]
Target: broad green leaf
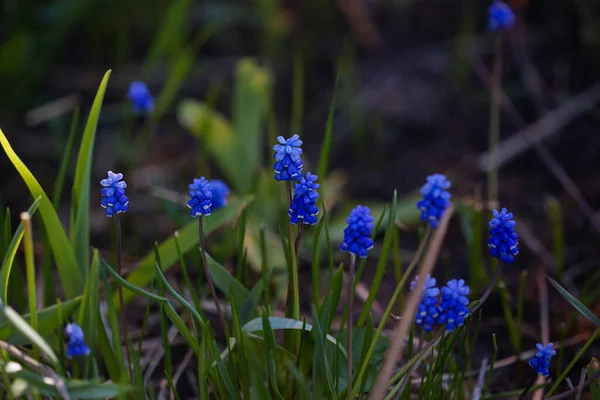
[[68, 270], [583, 310], [80, 235], [22, 326], [48, 322], [11, 251], [188, 240], [278, 323], [225, 281]]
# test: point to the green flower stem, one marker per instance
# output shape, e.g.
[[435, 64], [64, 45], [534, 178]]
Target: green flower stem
[[349, 321], [294, 300], [121, 301], [30, 269], [211, 286]]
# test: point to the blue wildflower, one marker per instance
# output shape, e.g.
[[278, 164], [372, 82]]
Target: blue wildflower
[[453, 307], [428, 311], [113, 194], [200, 202], [504, 240], [220, 191], [140, 97], [76, 346], [304, 202], [541, 361], [500, 16], [288, 163], [357, 235], [435, 199]]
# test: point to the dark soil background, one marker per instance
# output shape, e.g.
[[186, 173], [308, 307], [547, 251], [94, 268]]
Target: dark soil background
[[411, 101]]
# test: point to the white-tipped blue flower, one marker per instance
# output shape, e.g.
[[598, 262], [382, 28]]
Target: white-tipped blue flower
[[200, 202]]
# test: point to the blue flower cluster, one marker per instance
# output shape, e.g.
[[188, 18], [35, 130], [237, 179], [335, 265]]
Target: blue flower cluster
[[304, 202], [428, 311], [76, 346], [140, 97], [454, 304], [504, 240], [450, 311], [288, 163], [500, 16], [113, 194], [357, 235], [200, 202], [436, 199], [220, 192], [541, 361]]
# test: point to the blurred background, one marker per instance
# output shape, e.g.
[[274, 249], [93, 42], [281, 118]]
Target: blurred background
[[407, 83]]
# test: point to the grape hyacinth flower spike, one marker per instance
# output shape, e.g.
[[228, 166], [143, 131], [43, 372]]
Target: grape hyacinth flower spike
[[220, 192], [357, 235], [500, 16], [453, 308], [76, 346], [304, 203], [288, 163], [140, 97], [436, 199], [541, 361], [503, 241], [113, 194], [428, 310], [200, 202]]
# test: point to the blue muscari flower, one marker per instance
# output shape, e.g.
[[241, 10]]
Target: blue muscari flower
[[140, 97], [500, 16], [304, 202], [357, 235], [113, 194], [453, 307], [200, 202], [428, 311], [435, 199], [220, 191], [541, 361], [76, 346], [504, 240], [288, 164]]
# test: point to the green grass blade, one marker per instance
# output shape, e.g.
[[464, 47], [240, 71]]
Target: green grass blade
[[225, 281], [68, 269], [188, 240], [22, 326], [326, 146], [583, 310], [11, 251], [59, 183], [88, 317], [383, 258], [50, 319], [80, 235]]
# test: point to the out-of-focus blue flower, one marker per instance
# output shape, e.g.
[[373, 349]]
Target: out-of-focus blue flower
[[504, 240], [500, 16], [541, 361], [140, 97], [304, 202], [357, 235], [288, 164], [76, 346], [113, 194], [200, 201], [428, 311], [436, 199], [453, 307], [220, 192]]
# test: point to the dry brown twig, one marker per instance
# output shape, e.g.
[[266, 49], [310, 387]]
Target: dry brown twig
[[398, 341]]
